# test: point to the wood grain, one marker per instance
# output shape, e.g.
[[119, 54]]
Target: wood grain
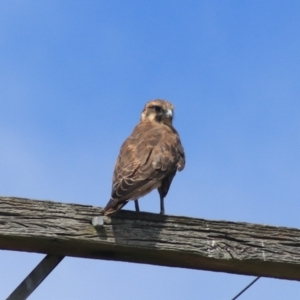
[[66, 229]]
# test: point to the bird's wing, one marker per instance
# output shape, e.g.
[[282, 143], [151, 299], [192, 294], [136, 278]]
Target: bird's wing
[[146, 157]]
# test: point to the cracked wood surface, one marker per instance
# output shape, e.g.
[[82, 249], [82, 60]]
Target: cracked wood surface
[[65, 229]]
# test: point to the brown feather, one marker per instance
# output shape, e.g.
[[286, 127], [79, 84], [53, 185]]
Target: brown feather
[[149, 157]]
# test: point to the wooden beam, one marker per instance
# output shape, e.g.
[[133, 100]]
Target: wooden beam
[[35, 278], [66, 230]]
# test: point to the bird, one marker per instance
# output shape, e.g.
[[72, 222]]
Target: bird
[[149, 158]]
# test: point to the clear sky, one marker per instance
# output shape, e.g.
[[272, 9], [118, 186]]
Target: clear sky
[[74, 77]]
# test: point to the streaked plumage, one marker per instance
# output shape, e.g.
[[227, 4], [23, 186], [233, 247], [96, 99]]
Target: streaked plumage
[[148, 159]]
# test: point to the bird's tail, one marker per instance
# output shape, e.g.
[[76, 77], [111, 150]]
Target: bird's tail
[[113, 206]]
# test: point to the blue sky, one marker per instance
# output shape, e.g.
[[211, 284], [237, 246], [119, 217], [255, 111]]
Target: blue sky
[[74, 78]]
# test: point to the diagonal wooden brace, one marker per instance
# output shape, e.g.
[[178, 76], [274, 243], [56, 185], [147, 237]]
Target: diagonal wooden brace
[[38, 274]]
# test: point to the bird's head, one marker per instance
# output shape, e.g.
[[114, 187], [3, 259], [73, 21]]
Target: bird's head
[[158, 110]]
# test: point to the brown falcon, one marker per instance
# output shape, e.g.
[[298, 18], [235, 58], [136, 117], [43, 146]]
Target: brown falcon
[[148, 159]]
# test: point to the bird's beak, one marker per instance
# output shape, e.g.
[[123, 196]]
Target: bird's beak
[[169, 113]]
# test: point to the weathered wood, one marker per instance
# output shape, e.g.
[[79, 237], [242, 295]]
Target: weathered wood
[[66, 229], [36, 277]]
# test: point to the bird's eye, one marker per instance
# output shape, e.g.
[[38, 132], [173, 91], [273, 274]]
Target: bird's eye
[[157, 108]]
